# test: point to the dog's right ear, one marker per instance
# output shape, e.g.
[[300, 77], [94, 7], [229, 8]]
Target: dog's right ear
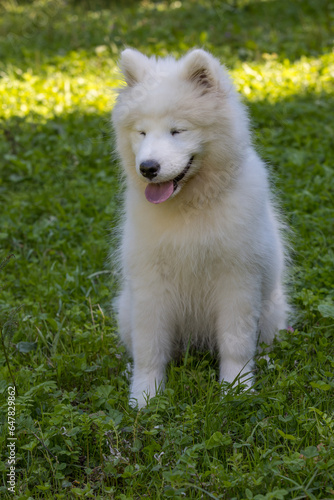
[[134, 66]]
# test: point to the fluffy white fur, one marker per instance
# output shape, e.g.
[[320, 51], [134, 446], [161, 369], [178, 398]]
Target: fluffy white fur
[[207, 263]]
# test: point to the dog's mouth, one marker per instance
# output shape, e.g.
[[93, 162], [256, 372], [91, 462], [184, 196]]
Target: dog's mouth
[[160, 192]]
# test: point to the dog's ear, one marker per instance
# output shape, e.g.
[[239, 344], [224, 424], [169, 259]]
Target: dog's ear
[[201, 68], [134, 66]]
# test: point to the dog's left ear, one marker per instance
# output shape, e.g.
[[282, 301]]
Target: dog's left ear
[[201, 68], [134, 66]]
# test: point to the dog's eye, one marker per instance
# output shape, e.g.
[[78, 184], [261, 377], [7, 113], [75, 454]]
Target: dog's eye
[[175, 131], [142, 133]]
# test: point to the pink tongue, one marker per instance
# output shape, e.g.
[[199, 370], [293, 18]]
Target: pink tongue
[[157, 193]]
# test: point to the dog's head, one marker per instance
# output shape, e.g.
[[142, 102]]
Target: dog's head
[[168, 115]]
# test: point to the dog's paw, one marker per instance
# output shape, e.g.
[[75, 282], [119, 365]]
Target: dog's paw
[[144, 386], [138, 400], [243, 383]]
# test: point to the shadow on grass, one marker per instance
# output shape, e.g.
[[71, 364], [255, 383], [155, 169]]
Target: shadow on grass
[[59, 200], [36, 32]]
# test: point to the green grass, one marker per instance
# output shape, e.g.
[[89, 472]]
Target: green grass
[[76, 434]]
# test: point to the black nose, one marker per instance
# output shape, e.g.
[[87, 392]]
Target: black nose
[[149, 169]]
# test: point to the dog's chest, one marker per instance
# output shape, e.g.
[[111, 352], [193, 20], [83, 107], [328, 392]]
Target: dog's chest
[[185, 264]]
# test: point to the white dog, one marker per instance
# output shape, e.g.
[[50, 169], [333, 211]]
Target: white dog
[[202, 255]]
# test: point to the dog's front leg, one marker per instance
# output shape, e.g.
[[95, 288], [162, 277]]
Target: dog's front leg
[[151, 347], [238, 317]]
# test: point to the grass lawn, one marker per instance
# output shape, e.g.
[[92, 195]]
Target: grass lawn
[[76, 434]]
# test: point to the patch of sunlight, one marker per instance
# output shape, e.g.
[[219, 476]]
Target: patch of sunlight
[[77, 81], [275, 80], [89, 87], [147, 5]]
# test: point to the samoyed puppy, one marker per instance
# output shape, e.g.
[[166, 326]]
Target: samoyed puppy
[[202, 254]]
